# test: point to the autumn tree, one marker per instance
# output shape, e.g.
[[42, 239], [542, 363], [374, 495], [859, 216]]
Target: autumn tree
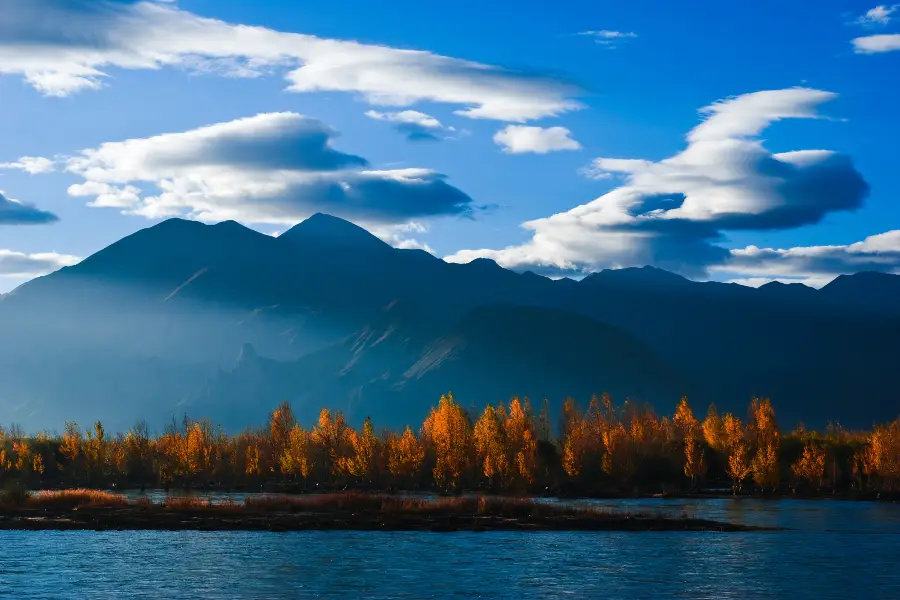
[[449, 434], [281, 422], [405, 455], [490, 445], [521, 442], [296, 457], [714, 430], [96, 450], [364, 445], [329, 436], [810, 467], [765, 461], [739, 467], [885, 445], [688, 428]]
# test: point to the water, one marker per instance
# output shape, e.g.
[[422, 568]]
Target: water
[[835, 550]]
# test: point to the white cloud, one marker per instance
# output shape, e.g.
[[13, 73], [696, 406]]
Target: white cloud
[[402, 235], [816, 265], [21, 265], [874, 44], [33, 165], [61, 47], [520, 139], [673, 212], [275, 168], [880, 15], [608, 37], [415, 125]]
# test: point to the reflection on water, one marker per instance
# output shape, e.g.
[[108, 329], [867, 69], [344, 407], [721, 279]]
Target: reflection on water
[[834, 550]]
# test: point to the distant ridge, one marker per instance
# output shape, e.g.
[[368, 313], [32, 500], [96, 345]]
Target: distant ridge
[[152, 325]]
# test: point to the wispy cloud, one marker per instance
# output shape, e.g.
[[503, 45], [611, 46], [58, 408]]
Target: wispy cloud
[[878, 16], [62, 47], [33, 165], [416, 126], [607, 37]]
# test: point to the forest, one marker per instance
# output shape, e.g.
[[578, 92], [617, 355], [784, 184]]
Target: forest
[[603, 449]]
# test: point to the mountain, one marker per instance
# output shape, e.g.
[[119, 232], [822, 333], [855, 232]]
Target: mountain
[[328, 314], [396, 370]]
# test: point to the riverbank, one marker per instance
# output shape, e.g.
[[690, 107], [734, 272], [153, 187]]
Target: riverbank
[[101, 511]]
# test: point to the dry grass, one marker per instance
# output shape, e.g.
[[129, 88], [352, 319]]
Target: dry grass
[[76, 498], [383, 503]]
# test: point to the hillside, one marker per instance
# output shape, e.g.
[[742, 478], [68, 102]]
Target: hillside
[[151, 326]]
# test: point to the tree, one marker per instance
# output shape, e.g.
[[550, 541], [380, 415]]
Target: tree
[[739, 466], [361, 462], [281, 422], [490, 444], [810, 467], [521, 441], [714, 430], [71, 441], [765, 462], [543, 428], [687, 427], [295, 457], [885, 444], [330, 437], [96, 448], [449, 434], [405, 455]]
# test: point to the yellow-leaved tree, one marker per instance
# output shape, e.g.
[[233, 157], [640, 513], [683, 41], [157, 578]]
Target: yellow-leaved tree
[[449, 434], [405, 455]]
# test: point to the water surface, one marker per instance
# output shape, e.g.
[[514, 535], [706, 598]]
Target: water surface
[[834, 550]]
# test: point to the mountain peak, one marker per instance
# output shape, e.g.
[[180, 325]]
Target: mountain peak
[[646, 275], [323, 229]]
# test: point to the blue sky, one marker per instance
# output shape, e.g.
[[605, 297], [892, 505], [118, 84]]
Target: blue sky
[[624, 80]]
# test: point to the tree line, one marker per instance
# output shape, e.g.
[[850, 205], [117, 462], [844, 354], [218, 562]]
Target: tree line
[[602, 449]]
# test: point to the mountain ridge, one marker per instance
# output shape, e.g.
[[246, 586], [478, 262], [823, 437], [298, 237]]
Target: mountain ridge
[[189, 293]]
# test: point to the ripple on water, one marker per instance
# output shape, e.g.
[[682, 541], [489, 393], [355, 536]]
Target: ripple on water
[[834, 550]]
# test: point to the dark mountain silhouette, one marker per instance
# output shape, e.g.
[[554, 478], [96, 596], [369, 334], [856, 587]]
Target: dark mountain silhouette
[[329, 315]]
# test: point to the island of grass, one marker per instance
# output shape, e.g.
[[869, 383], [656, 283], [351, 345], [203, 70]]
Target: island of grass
[[102, 511]]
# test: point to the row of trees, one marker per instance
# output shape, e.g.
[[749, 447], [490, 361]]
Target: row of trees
[[604, 449]]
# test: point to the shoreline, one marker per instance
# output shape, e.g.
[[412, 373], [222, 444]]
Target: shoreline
[[129, 519], [100, 511]]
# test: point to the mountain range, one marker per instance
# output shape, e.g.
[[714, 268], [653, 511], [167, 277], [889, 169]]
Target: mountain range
[[223, 322]]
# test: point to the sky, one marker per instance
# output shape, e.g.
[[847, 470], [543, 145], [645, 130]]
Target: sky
[[738, 142]]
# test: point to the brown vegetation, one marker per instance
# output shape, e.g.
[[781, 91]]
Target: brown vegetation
[[85, 509]]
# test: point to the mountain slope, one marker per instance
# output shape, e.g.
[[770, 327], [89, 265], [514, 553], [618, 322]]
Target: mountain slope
[[394, 371], [177, 301]]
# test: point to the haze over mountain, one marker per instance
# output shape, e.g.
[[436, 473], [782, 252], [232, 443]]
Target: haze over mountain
[[221, 321]]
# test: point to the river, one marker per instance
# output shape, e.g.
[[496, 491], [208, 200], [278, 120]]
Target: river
[[833, 549]]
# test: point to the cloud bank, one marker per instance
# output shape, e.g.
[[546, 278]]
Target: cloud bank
[[520, 139], [20, 265], [817, 265], [61, 47], [13, 212], [674, 213], [274, 168]]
